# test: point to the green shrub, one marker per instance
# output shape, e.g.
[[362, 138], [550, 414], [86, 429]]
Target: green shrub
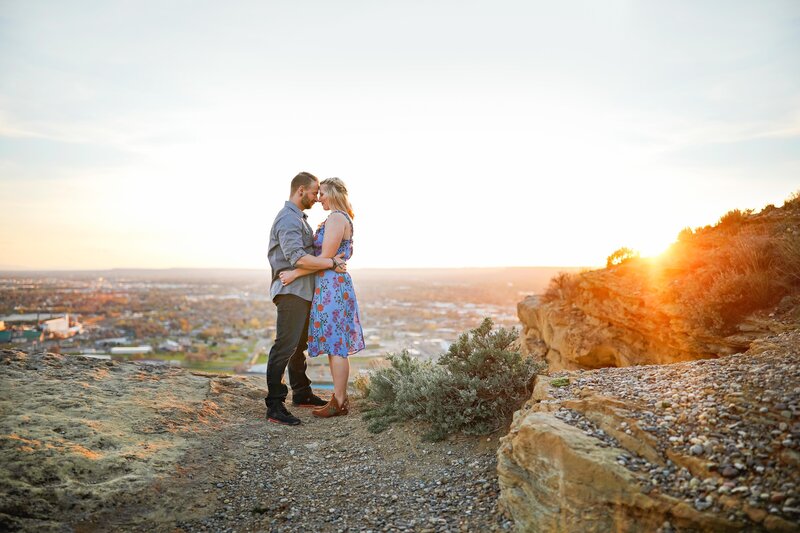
[[473, 388]]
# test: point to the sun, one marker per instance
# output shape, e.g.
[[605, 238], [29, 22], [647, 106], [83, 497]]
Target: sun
[[653, 242]]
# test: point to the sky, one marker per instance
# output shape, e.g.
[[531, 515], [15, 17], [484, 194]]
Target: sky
[[160, 134]]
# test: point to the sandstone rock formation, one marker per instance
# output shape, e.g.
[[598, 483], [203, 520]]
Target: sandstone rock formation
[[616, 329], [695, 446], [714, 293]]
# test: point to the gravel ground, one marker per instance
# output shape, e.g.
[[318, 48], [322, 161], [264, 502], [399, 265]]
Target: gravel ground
[[92, 445], [333, 475], [737, 418]]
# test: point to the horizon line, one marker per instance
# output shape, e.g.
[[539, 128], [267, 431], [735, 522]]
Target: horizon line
[[242, 269]]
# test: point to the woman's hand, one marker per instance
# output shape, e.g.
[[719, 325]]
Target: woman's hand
[[288, 276], [340, 265]]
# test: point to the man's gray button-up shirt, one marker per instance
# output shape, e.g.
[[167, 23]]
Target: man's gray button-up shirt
[[290, 239]]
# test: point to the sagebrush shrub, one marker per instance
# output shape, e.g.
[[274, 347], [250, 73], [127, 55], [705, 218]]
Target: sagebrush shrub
[[472, 388]]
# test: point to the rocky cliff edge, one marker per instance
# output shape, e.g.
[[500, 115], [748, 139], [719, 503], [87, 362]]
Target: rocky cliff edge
[[711, 445]]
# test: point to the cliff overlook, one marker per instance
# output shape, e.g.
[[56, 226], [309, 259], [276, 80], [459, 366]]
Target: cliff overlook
[[707, 445], [673, 396], [712, 293]]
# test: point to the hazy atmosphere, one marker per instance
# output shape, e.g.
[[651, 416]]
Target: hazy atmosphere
[[157, 135]]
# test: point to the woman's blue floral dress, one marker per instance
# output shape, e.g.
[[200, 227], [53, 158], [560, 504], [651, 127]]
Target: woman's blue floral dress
[[335, 326]]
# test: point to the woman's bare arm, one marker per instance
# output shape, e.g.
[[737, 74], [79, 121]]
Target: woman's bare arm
[[335, 227]]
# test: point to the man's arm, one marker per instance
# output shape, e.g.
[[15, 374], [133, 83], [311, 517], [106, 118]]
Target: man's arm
[[314, 263], [290, 237], [288, 276]]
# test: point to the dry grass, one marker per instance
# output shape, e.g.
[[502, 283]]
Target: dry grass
[[789, 248], [733, 218], [732, 276], [562, 287]]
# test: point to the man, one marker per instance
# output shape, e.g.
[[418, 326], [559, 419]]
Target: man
[[291, 245]]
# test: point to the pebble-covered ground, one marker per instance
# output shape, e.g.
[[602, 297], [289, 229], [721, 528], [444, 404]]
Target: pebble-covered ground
[[332, 475], [738, 417], [92, 445]]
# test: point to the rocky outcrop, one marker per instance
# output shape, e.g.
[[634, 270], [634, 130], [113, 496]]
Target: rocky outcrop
[[606, 324], [619, 320], [93, 443], [710, 445], [713, 293]]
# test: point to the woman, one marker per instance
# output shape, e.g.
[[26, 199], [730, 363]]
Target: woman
[[335, 326]]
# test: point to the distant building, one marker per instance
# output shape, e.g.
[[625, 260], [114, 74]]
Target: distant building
[[57, 327], [102, 356], [52, 325], [116, 341], [170, 346], [131, 350], [32, 318], [32, 336], [158, 362]]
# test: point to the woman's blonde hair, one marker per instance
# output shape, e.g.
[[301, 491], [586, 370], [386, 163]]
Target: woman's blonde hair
[[337, 192]]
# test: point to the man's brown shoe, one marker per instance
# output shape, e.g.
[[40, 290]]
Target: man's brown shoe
[[332, 408]]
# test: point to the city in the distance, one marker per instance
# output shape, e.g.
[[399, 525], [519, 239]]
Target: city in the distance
[[223, 320]]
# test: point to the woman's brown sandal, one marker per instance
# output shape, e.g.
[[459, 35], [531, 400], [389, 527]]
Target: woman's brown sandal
[[332, 408]]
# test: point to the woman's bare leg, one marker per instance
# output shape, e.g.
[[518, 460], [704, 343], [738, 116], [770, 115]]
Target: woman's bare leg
[[340, 371]]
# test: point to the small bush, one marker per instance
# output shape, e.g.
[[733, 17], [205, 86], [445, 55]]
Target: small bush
[[789, 249], [737, 279], [562, 287], [620, 256], [473, 387], [685, 234], [793, 202], [734, 218]]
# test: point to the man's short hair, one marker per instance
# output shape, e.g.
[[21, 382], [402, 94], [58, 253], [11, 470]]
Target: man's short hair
[[304, 179]]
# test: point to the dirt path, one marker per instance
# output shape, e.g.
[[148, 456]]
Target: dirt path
[[100, 446]]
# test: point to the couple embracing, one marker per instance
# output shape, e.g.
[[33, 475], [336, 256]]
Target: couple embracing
[[317, 308]]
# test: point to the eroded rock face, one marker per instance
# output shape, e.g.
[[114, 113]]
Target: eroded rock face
[[572, 483], [707, 445], [711, 294], [613, 321]]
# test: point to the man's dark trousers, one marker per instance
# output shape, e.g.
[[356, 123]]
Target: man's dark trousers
[[291, 340]]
